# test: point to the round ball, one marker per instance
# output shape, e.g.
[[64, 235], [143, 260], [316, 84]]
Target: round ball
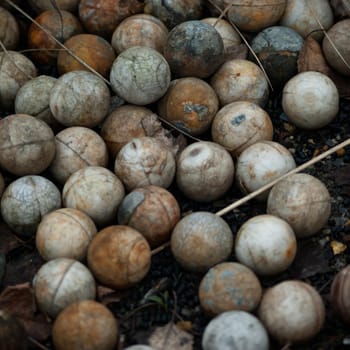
[[261, 163], [266, 244], [119, 256], [237, 330], [194, 49], [145, 161], [140, 75], [15, 70], [61, 282], [303, 201], [229, 286], [338, 36], [85, 324], [27, 144], [76, 148], [151, 210], [201, 240], [80, 98], [26, 200], [64, 233], [96, 52], [12, 333], [310, 100], [43, 5], [140, 30], [96, 191], [240, 80], [292, 312], [9, 30], [205, 171]]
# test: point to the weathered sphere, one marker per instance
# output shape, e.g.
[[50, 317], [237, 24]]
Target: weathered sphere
[[85, 324], [229, 286], [140, 75], [119, 256], [12, 333], [9, 30], [194, 49], [303, 201], [266, 244], [61, 282], [292, 312], [27, 144], [96, 191], [338, 36], [201, 240], [76, 148], [64, 233], [190, 104], [310, 100], [205, 171], [43, 5], [26, 200], [151, 210], [238, 330]]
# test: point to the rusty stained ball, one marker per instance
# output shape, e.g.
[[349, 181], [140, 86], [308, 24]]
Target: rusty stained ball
[[292, 312], [26, 200], [201, 240], [76, 148], [145, 161], [85, 324], [95, 51], [229, 286], [240, 80], [303, 201], [101, 17], [151, 210], [140, 75], [12, 332], [80, 98], [194, 49], [96, 191], [261, 163], [204, 171], [27, 144], [15, 70], [64, 233], [43, 5], [61, 282], [190, 104], [140, 30], [119, 256], [9, 30], [266, 244], [240, 124]]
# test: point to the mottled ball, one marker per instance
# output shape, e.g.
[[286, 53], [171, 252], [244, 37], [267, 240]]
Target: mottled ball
[[9, 30]]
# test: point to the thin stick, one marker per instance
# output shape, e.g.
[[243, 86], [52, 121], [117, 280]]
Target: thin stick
[[294, 171]]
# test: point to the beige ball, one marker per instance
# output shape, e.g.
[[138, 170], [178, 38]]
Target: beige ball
[[240, 124], [76, 148], [96, 191], [65, 233], [303, 201], [80, 98], [205, 171], [9, 30]]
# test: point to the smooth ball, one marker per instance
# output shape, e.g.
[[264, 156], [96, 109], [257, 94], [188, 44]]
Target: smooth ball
[[303, 201], [238, 330], [119, 256], [201, 240], [266, 244], [65, 233], [9, 30], [310, 100], [12, 333], [240, 124], [61, 282], [96, 191], [205, 171], [292, 312], [85, 324], [140, 75]]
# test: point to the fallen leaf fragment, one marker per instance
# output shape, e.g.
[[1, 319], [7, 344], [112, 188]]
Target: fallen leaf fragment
[[337, 247]]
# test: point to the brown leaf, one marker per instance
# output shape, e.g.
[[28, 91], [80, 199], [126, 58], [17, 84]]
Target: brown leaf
[[107, 295], [341, 8]]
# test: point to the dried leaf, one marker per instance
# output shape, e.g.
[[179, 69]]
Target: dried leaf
[[109, 296], [338, 247], [341, 8]]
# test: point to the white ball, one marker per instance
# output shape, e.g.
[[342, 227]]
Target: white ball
[[235, 330], [310, 100], [266, 244]]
